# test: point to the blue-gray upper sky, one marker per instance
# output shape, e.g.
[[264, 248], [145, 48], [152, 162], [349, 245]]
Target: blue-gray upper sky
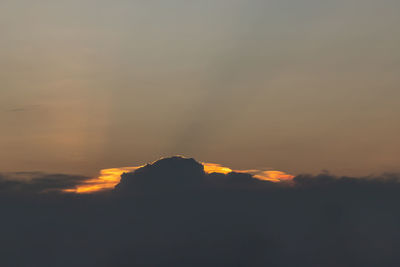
[[294, 85]]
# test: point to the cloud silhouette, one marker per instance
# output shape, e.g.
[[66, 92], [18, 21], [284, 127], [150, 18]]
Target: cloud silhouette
[[167, 173], [179, 173], [169, 169], [173, 213], [37, 182]]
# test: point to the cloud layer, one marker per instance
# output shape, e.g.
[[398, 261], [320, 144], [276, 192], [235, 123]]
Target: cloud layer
[[173, 213], [37, 182]]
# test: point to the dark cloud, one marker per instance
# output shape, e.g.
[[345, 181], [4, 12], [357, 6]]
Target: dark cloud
[[37, 182], [168, 173], [177, 174], [171, 213]]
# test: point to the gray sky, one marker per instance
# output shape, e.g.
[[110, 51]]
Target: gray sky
[[294, 85]]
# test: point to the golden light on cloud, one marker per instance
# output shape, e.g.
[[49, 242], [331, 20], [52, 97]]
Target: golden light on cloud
[[213, 167], [270, 175], [109, 178], [265, 175]]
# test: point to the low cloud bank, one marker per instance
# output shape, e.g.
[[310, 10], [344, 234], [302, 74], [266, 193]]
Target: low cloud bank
[[37, 182], [174, 213]]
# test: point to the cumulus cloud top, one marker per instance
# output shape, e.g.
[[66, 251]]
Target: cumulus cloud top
[[169, 172]]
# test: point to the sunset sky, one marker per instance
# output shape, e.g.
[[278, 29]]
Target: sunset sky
[[298, 86], [192, 133]]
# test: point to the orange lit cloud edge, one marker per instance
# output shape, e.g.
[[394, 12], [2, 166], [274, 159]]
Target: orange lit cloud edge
[[109, 178]]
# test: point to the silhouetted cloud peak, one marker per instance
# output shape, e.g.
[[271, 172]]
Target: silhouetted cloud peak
[[178, 173], [166, 173]]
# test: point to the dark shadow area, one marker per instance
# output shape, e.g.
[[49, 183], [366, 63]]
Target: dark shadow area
[[171, 213]]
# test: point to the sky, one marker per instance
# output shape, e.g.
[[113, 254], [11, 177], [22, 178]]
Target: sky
[[293, 85]]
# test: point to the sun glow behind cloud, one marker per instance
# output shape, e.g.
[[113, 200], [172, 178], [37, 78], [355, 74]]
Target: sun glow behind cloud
[[266, 175], [109, 178], [214, 167]]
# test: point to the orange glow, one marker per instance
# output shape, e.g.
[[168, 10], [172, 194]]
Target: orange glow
[[109, 178], [213, 167], [265, 175], [273, 176]]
